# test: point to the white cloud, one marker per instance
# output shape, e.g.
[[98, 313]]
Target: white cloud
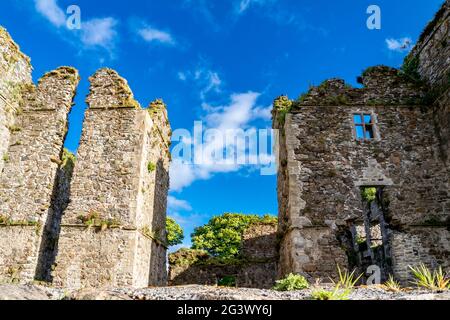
[[244, 5], [237, 115], [263, 113], [94, 33], [150, 34], [206, 80], [182, 76], [175, 204], [99, 32], [50, 10], [399, 45]]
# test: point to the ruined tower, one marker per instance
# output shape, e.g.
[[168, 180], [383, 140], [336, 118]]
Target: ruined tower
[[113, 231], [97, 221], [363, 172], [36, 120]]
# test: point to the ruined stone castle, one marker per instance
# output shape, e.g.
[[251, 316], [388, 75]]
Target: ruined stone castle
[[99, 220], [363, 178], [390, 136]]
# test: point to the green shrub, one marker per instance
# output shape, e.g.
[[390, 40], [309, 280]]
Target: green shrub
[[392, 285], [336, 294], [227, 281], [292, 282], [347, 280], [369, 194], [433, 280], [222, 235], [175, 234], [283, 106]]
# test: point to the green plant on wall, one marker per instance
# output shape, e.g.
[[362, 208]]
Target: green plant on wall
[[283, 106], [410, 68], [151, 167], [93, 219], [369, 194]]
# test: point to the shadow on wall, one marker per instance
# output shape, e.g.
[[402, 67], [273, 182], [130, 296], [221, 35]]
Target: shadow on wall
[[59, 202], [159, 251]]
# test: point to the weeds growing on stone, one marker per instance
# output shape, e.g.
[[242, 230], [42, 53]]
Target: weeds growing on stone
[[151, 167], [392, 285], [227, 281], [93, 219], [292, 282], [347, 280], [336, 294], [435, 280]]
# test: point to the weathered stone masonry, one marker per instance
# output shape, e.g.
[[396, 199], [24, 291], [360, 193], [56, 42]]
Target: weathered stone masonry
[[105, 226], [120, 158], [323, 168], [255, 268], [27, 182]]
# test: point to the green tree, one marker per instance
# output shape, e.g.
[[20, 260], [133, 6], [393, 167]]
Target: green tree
[[222, 235], [175, 234], [369, 194]]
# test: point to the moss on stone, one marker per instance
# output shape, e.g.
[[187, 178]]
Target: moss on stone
[[16, 53], [65, 72], [94, 220], [6, 221], [438, 18], [68, 160], [410, 69], [376, 69], [151, 167]]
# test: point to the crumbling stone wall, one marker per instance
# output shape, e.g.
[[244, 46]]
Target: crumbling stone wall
[[255, 268], [323, 167], [15, 74], [431, 59], [27, 181], [113, 231]]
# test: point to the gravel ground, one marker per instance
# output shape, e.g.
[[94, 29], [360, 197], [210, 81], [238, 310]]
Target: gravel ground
[[31, 292]]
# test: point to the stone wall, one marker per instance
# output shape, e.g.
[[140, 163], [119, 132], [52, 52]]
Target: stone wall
[[98, 221], [113, 231], [255, 268], [433, 49], [323, 167], [15, 74], [431, 57], [28, 179]]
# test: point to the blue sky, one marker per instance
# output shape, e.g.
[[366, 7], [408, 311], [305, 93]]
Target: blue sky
[[221, 62]]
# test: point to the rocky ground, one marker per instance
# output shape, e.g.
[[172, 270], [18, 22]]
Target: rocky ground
[[32, 292]]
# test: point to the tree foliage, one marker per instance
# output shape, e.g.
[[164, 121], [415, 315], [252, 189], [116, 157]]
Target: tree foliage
[[369, 194], [175, 234], [222, 235]]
